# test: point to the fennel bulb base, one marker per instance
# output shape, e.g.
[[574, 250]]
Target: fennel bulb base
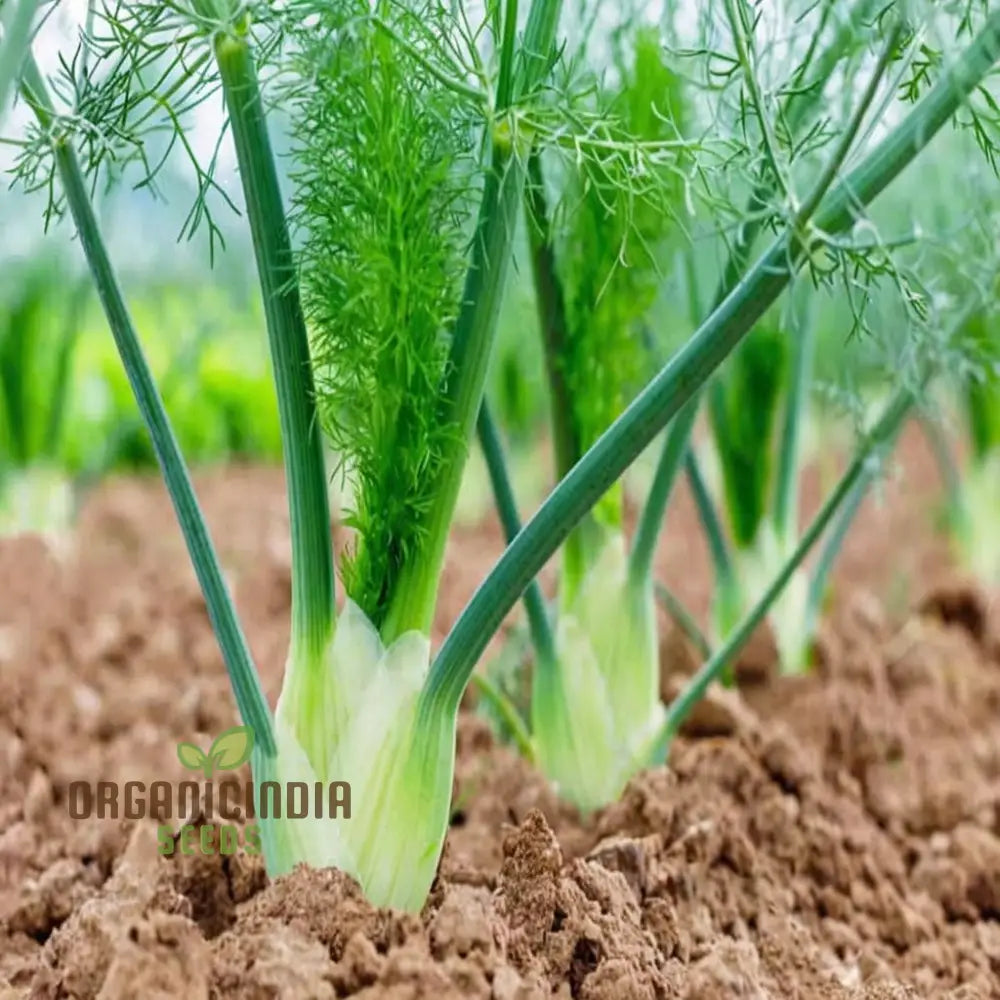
[[356, 717], [596, 709]]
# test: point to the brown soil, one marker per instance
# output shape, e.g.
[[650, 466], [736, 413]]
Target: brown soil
[[834, 836]]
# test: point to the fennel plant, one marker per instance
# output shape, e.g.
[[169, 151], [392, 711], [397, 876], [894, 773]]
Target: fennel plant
[[362, 699]]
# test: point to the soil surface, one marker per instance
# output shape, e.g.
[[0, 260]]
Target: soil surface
[[832, 836]]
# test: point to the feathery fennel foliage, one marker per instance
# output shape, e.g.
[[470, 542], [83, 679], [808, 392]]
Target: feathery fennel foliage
[[385, 186], [609, 236], [595, 260], [609, 241]]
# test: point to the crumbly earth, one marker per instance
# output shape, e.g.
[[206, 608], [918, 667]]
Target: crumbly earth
[[834, 836]]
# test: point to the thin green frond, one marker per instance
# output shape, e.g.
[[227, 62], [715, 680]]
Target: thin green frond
[[507, 711], [683, 619]]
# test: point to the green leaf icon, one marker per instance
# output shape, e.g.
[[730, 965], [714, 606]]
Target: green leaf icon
[[191, 756], [232, 748]]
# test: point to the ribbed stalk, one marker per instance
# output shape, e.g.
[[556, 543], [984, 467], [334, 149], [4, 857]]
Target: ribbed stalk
[[647, 534], [534, 602], [236, 654], [508, 54], [305, 475], [619, 446]]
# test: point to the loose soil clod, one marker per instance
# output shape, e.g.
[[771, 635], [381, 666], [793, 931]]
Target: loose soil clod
[[834, 836]]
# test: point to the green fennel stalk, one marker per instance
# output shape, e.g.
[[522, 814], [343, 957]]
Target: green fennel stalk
[[312, 561], [312, 558], [236, 654], [591, 715], [15, 43]]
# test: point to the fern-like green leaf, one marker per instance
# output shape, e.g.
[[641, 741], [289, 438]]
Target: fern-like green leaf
[[383, 204]]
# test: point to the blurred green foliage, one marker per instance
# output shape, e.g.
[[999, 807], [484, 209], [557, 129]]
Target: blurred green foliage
[[211, 367], [39, 331], [982, 388], [65, 402]]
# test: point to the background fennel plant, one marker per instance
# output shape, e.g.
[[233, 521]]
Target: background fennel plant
[[981, 398], [67, 414], [595, 694], [970, 420]]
